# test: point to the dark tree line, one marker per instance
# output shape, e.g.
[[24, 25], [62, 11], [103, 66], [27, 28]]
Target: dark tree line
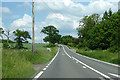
[[104, 33]]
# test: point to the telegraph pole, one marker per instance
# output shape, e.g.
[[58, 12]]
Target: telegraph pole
[[33, 26]]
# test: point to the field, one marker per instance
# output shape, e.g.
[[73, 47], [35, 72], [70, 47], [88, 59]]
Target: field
[[17, 63], [103, 55]]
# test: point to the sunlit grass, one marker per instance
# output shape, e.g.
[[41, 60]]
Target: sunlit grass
[[17, 63], [103, 55]]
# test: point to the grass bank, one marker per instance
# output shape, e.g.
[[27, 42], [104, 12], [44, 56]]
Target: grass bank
[[18, 63], [103, 55]]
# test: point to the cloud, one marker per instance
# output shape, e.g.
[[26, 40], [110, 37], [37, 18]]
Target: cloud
[[23, 23], [76, 9], [0, 22], [63, 14], [66, 24], [5, 10]]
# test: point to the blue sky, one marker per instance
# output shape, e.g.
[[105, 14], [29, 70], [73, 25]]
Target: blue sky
[[64, 15]]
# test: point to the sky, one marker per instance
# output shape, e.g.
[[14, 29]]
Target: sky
[[63, 14]]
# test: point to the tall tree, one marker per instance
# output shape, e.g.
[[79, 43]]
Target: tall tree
[[1, 32], [53, 34], [21, 36], [110, 12], [87, 23], [7, 34]]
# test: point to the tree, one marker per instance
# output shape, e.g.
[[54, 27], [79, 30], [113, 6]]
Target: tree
[[87, 23], [53, 34], [7, 34], [21, 36], [110, 13], [105, 16], [1, 32], [67, 39]]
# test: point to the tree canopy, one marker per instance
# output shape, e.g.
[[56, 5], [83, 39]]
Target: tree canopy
[[96, 33], [1, 32], [21, 36], [53, 35]]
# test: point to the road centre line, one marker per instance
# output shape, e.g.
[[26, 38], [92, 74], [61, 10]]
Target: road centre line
[[66, 53], [95, 59], [114, 75], [88, 66], [92, 69]]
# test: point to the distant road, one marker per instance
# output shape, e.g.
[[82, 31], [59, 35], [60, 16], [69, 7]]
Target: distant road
[[67, 64]]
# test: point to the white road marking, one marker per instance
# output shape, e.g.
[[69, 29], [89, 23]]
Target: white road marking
[[89, 67], [114, 75], [76, 62], [92, 69], [39, 74], [53, 58], [46, 66], [95, 59], [66, 53], [84, 67], [44, 69]]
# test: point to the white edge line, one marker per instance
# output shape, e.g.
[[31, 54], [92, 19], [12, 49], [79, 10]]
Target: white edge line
[[44, 69], [66, 53], [91, 68], [41, 72], [95, 59], [114, 75]]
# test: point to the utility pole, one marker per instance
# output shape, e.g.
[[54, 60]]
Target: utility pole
[[119, 6], [33, 26]]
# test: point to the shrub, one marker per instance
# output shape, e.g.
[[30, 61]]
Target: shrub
[[79, 45], [5, 45], [114, 49], [51, 45], [71, 44]]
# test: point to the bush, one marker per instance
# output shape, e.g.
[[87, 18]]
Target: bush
[[51, 45], [114, 49], [71, 44], [86, 48], [80, 45], [5, 45]]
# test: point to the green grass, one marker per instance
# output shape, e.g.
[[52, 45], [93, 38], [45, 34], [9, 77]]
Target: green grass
[[103, 55], [18, 63]]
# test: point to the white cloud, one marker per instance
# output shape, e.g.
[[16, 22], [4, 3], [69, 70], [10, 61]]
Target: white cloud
[[22, 23], [5, 10], [0, 22], [100, 6], [63, 14], [66, 24]]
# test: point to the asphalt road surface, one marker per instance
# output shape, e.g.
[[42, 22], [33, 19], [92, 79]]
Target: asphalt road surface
[[67, 64]]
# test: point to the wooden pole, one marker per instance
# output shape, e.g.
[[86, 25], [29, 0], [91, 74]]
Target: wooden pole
[[33, 27]]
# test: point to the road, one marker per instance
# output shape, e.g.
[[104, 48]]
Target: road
[[67, 64]]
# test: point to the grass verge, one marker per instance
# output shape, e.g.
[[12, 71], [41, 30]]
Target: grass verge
[[103, 55], [18, 63]]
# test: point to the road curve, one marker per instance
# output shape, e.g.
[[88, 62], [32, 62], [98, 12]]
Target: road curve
[[67, 64]]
